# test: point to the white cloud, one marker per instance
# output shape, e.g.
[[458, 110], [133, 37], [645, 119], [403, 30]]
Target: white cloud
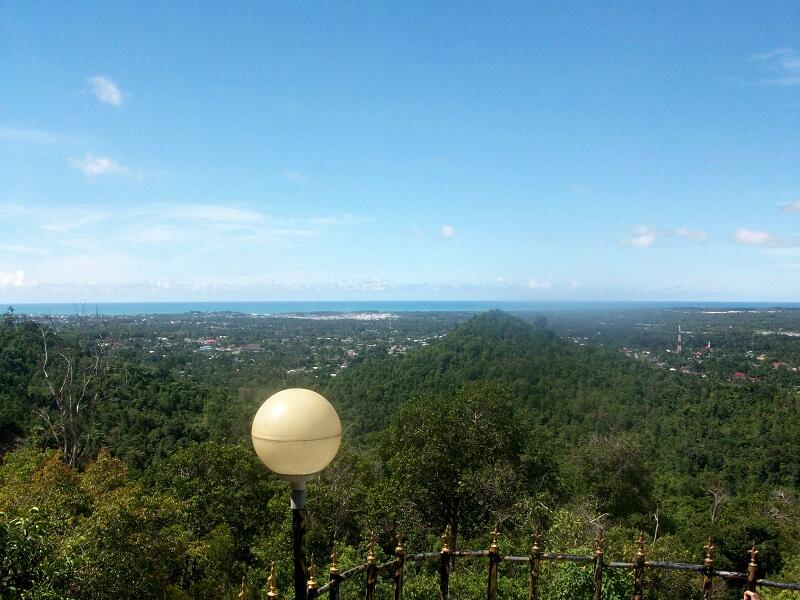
[[155, 234], [75, 219], [16, 279], [24, 249], [36, 136], [751, 237], [368, 285], [105, 90], [792, 207], [11, 209], [644, 237], [783, 66], [534, 284], [447, 231], [218, 213], [347, 219], [299, 232], [296, 176], [92, 166], [683, 232]]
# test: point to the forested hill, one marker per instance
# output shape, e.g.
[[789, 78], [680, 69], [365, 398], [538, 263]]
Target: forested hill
[[746, 434], [583, 388]]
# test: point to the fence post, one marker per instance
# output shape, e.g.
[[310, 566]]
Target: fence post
[[272, 594], [311, 584], [708, 570], [494, 559], [400, 555], [444, 565], [372, 568], [598, 565], [534, 562], [334, 573], [638, 573], [752, 569]]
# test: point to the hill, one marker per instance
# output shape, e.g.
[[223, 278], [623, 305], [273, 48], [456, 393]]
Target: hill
[[744, 434]]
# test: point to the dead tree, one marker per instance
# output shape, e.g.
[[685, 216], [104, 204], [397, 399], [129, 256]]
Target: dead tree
[[720, 496], [656, 519], [76, 383]]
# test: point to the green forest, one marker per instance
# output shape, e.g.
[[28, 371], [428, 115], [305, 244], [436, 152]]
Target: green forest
[[129, 477]]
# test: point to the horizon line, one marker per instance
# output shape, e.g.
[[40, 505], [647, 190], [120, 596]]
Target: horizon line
[[404, 300]]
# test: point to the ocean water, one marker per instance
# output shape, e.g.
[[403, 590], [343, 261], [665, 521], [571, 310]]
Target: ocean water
[[317, 306]]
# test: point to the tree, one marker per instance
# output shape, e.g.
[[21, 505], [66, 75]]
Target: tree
[[612, 470], [76, 382], [221, 484], [20, 347], [460, 460]]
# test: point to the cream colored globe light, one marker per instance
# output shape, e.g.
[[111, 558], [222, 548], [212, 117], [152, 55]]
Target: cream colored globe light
[[296, 433]]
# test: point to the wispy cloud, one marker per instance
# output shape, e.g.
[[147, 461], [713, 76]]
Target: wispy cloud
[[535, 284], [296, 176], [91, 250], [76, 219], [346, 219], [105, 90], [447, 231], [93, 166], [782, 67], [24, 249], [156, 234], [683, 232], [753, 237], [12, 279], [214, 213], [34, 136], [645, 237], [792, 207], [11, 209]]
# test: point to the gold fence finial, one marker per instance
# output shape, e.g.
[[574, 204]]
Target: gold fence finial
[[495, 534], [640, 551], [537, 542], [399, 549], [599, 541], [371, 557], [446, 539], [273, 591], [752, 568], [753, 555], [334, 569], [312, 575], [709, 548]]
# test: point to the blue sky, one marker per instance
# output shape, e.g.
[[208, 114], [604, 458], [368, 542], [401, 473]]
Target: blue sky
[[342, 150]]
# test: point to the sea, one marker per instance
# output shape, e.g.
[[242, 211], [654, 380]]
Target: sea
[[363, 306]]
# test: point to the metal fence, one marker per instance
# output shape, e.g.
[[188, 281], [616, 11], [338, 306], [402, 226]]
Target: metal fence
[[394, 569]]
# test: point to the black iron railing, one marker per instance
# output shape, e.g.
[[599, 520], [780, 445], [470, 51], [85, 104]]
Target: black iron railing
[[445, 557]]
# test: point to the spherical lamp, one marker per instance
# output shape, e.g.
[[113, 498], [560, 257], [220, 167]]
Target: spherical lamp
[[296, 433]]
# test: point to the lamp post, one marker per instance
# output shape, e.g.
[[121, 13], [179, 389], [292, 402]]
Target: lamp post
[[296, 433]]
